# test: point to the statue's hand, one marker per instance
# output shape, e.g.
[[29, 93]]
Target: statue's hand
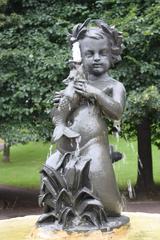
[[85, 89], [57, 97]]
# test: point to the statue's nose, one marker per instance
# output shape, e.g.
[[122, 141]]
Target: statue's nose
[[96, 57]]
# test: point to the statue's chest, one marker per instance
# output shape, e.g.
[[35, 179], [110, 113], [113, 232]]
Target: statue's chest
[[106, 87]]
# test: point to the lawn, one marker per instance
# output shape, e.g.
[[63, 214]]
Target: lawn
[[27, 160], [126, 169]]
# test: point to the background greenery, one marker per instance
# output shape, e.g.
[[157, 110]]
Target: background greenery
[[34, 52]]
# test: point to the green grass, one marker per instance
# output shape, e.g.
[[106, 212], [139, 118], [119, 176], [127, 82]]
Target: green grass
[[27, 160], [126, 169]]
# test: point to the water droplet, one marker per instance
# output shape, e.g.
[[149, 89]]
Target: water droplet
[[124, 202], [131, 190], [124, 158], [139, 173], [89, 109], [77, 151], [132, 147], [116, 134], [69, 106], [125, 137], [140, 162], [50, 150], [71, 142]]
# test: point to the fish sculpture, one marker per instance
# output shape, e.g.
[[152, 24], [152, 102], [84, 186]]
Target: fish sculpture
[[67, 104]]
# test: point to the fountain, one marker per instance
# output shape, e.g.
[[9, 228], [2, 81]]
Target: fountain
[[79, 193], [78, 189]]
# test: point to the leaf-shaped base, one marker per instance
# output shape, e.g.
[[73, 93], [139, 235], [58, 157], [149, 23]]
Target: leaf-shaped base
[[68, 198]]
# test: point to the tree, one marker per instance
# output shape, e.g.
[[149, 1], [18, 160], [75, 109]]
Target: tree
[[140, 73], [6, 153], [33, 56], [141, 117], [33, 63]]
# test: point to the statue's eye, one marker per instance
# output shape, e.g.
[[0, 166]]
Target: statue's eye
[[103, 52], [89, 54]]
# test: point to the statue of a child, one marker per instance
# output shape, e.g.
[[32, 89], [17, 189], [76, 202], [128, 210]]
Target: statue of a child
[[99, 97]]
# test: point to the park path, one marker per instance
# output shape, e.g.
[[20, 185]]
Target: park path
[[16, 202]]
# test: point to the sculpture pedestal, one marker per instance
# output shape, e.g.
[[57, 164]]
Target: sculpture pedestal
[[142, 226], [82, 227]]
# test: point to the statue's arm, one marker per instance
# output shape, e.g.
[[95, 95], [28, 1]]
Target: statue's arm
[[112, 107]]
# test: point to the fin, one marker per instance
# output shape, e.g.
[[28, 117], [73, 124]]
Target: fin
[[70, 133], [59, 131]]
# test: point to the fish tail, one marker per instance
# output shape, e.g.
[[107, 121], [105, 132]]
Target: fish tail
[[70, 133], [59, 131]]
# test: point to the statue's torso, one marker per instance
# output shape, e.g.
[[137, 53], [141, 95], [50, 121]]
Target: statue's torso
[[87, 119]]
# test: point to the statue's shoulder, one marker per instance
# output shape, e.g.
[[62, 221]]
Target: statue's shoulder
[[116, 84]]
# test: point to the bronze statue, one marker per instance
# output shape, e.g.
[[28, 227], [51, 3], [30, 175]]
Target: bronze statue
[[78, 188]]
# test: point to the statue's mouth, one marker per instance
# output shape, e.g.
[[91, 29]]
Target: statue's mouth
[[97, 65]]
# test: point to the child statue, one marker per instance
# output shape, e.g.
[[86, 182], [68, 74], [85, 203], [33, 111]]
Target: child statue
[[81, 135]]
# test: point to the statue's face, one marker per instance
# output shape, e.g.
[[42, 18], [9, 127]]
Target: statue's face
[[96, 55]]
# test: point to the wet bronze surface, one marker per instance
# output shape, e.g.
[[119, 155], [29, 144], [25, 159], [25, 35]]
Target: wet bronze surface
[[79, 189]]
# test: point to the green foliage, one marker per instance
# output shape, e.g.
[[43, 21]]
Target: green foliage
[[32, 67], [34, 52], [142, 104], [139, 70]]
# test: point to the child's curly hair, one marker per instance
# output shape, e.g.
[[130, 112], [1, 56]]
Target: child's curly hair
[[102, 30]]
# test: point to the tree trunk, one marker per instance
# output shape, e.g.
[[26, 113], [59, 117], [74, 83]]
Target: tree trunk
[[145, 169], [6, 153]]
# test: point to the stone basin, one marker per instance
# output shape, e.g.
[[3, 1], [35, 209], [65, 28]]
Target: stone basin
[[143, 226]]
